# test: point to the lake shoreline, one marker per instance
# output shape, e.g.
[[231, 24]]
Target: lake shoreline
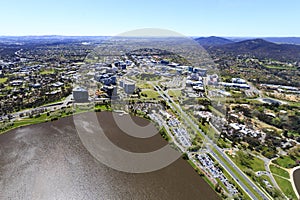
[[52, 148]]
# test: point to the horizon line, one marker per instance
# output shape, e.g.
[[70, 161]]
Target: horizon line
[[193, 36]]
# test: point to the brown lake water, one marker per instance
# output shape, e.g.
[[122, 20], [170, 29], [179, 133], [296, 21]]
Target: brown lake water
[[296, 175], [48, 161]]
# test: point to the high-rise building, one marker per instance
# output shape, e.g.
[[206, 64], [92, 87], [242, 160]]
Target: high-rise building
[[127, 85], [80, 94]]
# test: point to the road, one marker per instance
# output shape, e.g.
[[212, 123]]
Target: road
[[173, 139], [170, 101], [252, 91], [267, 163], [50, 107]]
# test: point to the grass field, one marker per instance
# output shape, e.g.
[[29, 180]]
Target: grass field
[[256, 164], [280, 67], [27, 121], [3, 80], [223, 143], [286, 187], [174, 93], [265, 177], [297, 104], [152, 94], [47, 71], [281, 172], [143, 85], [285, 161], [209, 131], [40, 119]]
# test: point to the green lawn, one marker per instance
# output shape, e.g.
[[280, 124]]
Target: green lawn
[[256, 164], [102, 107], [223, 143], [286, 187], [174, 93], [292, 103], [27, 121], [47, 71], [143, 85], [209, 131], [285, 161], [53, 115], [152, 94], [281, 67], [33, 120], [265, 177], [3, 80], [281, 172]]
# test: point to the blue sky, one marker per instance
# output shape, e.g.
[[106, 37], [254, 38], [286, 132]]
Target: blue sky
[[111, 17]]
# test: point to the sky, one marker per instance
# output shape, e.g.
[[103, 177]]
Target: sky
[[237, 18]]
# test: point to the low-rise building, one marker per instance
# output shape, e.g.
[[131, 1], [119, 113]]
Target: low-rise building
[[238, 81]]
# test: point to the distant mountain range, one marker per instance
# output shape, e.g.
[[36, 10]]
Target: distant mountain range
[[277, 48], [284, 40], [48, 39], [213, 41], [279, 40], [259, 48]]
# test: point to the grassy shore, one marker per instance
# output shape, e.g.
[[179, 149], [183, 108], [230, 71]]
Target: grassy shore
[[49, 116], [286, 187], [37, 119]]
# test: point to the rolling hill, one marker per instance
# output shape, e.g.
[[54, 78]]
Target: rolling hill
[[212, 41], [261, 49]]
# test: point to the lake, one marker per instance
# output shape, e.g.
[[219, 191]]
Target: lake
[[48, 161], [296, 175]]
